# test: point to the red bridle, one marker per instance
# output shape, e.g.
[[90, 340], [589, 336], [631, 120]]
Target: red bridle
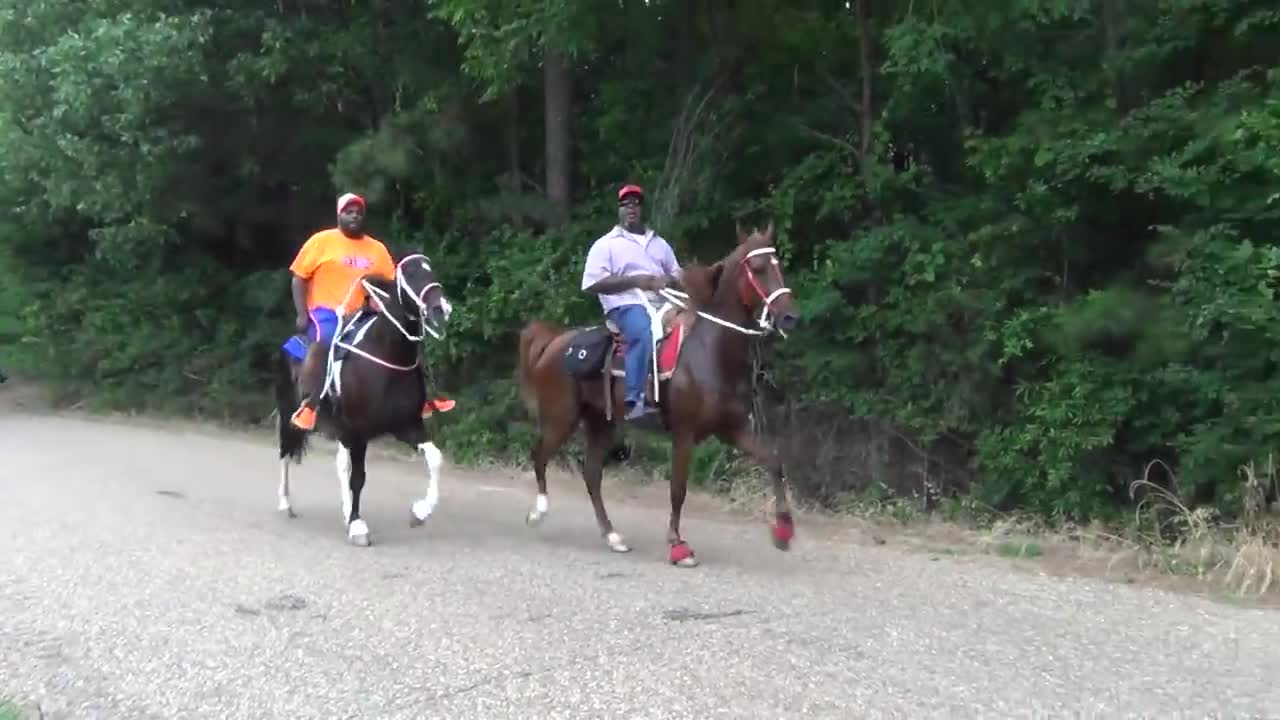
[[747, 284]]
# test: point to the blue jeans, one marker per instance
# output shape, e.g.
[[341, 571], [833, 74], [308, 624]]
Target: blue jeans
[[633, 322], [324, 321]]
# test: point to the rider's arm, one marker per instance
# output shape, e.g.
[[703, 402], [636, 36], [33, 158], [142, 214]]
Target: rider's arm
[[299, 287], [614, 284], [302, 268]]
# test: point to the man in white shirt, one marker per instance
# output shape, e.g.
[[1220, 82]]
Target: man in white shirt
[[628, 259]]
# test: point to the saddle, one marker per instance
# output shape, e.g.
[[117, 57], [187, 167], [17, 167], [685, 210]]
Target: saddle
[[599, 351]]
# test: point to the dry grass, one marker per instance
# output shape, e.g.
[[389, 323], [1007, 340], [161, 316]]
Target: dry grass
[[1167, 544], [1241, 558]]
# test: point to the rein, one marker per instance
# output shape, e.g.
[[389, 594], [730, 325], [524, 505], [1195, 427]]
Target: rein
[[680, 299], [378, 295]]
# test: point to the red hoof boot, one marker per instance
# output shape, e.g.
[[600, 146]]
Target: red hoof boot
[[682, 555], [783, 532]]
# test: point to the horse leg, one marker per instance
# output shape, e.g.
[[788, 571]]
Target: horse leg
[[282, 492], [290, 439], [555, 432], [599, 440], [783, 527], [681, 456], [350, 465], [423, 508]]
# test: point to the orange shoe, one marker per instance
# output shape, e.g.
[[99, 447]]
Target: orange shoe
[[441, 404], [304, 418]]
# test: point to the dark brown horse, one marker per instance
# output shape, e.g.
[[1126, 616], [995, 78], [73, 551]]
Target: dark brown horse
[[704, 382], [375, 386]]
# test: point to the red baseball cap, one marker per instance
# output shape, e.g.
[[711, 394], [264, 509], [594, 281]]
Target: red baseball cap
[[349, 198], [630, 190]]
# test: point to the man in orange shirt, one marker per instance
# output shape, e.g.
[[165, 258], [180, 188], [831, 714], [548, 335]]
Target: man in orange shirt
[[324, 272]]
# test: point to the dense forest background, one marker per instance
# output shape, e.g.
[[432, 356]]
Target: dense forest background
[[1035, 241]]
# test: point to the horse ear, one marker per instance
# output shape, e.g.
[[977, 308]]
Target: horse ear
[[768, 233], [742, 234], [714, 273]]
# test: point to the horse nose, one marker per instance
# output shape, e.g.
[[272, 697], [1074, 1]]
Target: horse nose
[[788, 322]]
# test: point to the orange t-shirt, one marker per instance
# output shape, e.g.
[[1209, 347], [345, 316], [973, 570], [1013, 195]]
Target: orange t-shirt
[[333, 262]]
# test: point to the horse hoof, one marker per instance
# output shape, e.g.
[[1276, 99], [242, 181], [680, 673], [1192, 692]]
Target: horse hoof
[[682, 555], [358, 533], [288, 512], [783, 531], [534, 518], [616, 544], [420, 513]]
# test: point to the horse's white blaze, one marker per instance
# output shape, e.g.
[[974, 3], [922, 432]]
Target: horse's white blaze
[[343, 464], [423, 508], [283, 491]]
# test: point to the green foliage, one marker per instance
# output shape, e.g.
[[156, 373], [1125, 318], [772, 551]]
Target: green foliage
[[1052, 255]]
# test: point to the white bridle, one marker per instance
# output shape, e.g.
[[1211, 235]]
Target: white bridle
[[765, 321], [419, 299], [402, 290]]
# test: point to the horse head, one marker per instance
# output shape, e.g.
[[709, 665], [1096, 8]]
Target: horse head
[[749, 278], [414, 297]]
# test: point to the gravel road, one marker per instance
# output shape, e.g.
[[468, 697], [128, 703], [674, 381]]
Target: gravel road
[[146, 574]]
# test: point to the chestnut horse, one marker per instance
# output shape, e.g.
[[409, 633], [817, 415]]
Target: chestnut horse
[[702, 391]]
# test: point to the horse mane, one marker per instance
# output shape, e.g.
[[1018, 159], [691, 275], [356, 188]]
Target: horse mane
[[392, 301], [702, 281], [380, 282]]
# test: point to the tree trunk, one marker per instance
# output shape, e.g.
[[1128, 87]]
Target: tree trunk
[[515, 177], [868, 113], [558, 95]]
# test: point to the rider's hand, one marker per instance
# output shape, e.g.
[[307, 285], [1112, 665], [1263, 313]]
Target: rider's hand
[[304, 322], [653, 283]]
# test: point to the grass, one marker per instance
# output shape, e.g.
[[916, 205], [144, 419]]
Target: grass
[[1012, 549], [9, 710]]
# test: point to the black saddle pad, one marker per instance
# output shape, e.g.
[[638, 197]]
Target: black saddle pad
[[587, 351]]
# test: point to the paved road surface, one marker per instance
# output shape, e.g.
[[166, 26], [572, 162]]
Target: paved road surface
[[145, 575]]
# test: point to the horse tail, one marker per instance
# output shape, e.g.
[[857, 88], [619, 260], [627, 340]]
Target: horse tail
[[534, 340], [293, 442]]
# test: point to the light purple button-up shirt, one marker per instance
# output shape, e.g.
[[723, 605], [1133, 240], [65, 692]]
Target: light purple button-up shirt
[[619, 252]]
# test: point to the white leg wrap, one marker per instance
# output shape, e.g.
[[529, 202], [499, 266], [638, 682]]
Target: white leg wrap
[[540, 506], [282, 492], [434, 459], [616, 543], [342, 462]]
